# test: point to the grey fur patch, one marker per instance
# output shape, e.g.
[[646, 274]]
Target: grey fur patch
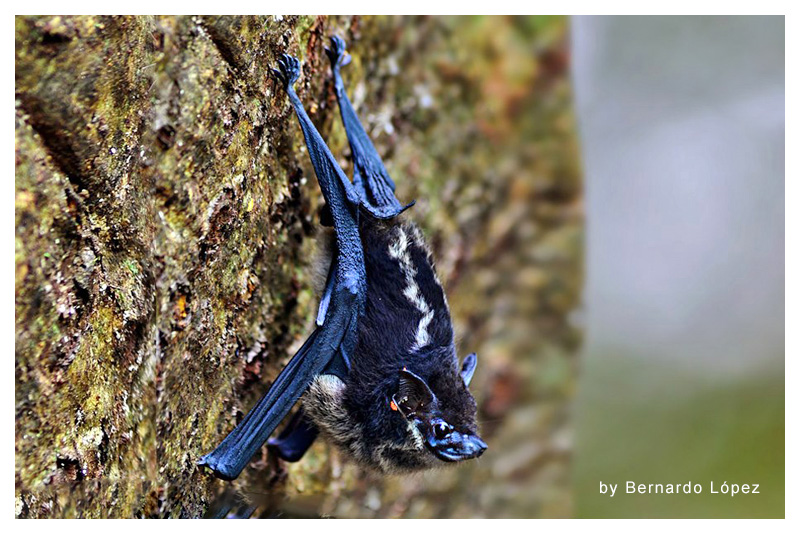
[[321, 263]]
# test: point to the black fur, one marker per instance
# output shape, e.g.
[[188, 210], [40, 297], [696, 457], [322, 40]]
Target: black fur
[[385, 341]]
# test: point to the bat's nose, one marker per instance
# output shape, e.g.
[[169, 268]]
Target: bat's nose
[[479, 446]]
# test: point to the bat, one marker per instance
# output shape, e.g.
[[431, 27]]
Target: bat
[[379, 375]]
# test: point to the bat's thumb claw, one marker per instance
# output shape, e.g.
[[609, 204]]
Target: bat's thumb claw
[[203, 461]]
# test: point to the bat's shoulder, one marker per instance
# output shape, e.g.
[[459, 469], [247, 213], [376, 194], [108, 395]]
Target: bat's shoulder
[[399, 238]]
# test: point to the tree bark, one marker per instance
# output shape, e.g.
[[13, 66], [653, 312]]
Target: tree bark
[[165, 210]]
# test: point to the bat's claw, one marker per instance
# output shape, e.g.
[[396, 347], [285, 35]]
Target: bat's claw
[[288, 70], [337, 52]]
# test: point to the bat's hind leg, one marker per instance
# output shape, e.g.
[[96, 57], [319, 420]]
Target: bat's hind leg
[[296, 438], [370, 177]]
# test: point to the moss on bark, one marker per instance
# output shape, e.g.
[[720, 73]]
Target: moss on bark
[[163, 218]]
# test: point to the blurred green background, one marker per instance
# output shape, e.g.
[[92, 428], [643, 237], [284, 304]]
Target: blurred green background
[[682, 125], [652, 423]]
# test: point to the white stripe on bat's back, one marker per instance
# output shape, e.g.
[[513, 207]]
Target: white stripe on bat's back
[[399, 250]]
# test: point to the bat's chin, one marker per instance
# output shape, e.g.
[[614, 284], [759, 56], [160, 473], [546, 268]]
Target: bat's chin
[[451, 456], [455, 456]]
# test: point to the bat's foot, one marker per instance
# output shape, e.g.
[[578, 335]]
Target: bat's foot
[[337, 52], [288, 70], [296, 438]]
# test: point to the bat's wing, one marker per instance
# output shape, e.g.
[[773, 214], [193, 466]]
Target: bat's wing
[[370, 178], [235, 451], [328, 348]]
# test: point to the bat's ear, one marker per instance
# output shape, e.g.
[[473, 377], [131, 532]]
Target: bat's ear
[[413, 394], [468, 367]]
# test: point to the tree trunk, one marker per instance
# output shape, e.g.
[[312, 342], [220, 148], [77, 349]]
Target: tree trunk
[[165, 208]]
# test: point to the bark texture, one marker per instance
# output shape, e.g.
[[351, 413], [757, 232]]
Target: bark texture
[[165, 210]]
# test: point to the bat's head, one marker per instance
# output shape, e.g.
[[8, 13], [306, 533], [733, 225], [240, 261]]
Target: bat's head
[[441, 411], [403, 424]]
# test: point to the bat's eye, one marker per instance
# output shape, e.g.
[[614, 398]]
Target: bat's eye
[[442, 430]]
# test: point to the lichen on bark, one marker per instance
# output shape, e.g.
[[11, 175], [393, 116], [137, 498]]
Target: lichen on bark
[[164, 214]]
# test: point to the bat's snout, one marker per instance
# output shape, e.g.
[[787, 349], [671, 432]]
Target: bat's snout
[[476, 446], [461, 448]]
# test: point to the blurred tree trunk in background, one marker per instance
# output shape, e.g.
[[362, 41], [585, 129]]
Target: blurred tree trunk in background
[[165, 209]]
